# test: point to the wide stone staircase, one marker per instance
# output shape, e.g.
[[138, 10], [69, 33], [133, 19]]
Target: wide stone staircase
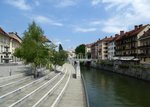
[[24, 91]]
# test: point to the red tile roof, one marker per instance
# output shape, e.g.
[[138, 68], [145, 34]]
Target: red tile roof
[[132, 32], [108, 39]]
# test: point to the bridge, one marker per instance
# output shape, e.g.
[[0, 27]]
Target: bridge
[[83, 60]]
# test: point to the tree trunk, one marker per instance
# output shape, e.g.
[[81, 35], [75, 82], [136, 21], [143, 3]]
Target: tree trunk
[[35, 72], [55, 68]]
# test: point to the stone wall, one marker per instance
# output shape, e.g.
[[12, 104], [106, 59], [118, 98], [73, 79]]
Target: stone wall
[[139, 73]]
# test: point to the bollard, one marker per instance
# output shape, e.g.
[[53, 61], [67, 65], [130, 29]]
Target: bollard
[[10, 72]]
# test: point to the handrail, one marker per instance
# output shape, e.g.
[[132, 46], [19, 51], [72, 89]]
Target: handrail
[[85, 90]]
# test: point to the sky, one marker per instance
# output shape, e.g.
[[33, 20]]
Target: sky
[[74, 22]]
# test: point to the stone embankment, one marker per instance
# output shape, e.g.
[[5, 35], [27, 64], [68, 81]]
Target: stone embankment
[[131, 70]]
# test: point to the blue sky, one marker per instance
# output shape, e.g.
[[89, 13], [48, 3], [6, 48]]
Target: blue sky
[[72, 22]]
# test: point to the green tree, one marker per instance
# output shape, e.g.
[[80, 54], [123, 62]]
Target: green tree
[[34, 49], [60, 47], [58, 57], [80, 50]]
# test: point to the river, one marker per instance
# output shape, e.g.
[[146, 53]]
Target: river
[[107, 89]]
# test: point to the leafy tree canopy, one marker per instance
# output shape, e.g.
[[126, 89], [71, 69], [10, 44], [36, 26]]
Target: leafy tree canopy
[[80, 49], [33, 49]]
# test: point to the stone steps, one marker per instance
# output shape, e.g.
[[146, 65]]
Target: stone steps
[[30, 92], [32, 95], [7, 79], [19, 88], [22, 94], [12, 83], [31, 101], [54, 98]]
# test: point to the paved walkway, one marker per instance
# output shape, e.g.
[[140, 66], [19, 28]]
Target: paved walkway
[[74, 95]]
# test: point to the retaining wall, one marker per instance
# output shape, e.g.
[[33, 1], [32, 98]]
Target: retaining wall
[[143, 74]]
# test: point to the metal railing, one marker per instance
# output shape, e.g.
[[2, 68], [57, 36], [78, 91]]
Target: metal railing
[[85, 90]]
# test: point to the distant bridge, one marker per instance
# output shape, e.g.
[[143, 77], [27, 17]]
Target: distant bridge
[[73, 60], [83, 60]]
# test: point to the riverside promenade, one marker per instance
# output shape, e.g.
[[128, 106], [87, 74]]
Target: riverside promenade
[[74, 95], [54, 89]]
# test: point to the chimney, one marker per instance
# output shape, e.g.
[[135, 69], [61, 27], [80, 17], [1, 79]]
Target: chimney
[[111, 36], [135, 27], [121, 32], [116, 35], [140, 25], [105, 37]]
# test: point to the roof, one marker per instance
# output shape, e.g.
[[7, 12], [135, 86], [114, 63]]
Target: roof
[[133, 32], [14, 35], [45, 39], [145, 35], [3, 32], [89, 45], [108, 39]]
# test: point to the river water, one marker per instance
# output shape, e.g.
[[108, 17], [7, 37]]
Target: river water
[[107, 89]]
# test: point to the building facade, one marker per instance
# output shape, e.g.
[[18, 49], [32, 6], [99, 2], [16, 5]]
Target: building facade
[[11, 40], [103, 48], [4, 41], [15, 42], [88, 50], [145, 48], [127, 43], [94, 50], [111, 49]]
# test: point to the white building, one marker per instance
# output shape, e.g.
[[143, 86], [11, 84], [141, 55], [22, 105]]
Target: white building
[[15, 42], [111, 50], [12, 40]]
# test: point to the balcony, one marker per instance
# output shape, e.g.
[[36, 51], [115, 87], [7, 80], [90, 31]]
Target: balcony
[[144, 46], [105, 47], [105, 51], [144, 54]]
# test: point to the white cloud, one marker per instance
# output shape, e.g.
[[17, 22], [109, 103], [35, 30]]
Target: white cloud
[[21, 4], [95, 2], [84, 30], [96, 22], [66, 3], [124, 13], [46, 20]]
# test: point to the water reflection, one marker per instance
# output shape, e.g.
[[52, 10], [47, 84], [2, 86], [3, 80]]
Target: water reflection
[[106, 89]]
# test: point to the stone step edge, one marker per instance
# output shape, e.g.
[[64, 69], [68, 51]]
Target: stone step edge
[[49, 92], [3, 86], [23, 87], [2, 79], [57, 100], [19, 102]]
